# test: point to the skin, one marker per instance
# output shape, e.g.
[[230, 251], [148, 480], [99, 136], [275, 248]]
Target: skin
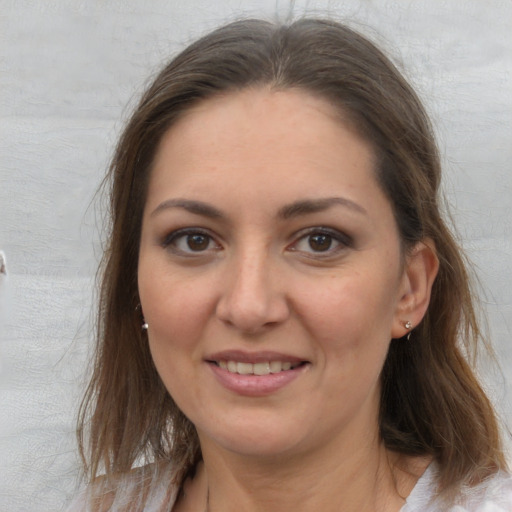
[[270, 261]]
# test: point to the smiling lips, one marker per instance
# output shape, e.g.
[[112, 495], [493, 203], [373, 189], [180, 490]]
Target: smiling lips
[[259, 374], [263, 368]]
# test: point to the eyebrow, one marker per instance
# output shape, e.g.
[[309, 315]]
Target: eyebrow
[[295, 209], [308, 206], [197, 207]]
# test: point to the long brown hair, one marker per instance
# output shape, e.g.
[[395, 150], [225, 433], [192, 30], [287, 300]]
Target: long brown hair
[[431, 401]]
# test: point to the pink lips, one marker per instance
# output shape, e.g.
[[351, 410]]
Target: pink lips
[[255, 385]]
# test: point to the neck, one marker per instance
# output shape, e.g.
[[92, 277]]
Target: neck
[[367, 479]]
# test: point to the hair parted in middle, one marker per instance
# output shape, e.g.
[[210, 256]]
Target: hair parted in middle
[[431, 402]]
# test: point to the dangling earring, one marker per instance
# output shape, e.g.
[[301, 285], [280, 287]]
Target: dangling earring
[[408, 325]]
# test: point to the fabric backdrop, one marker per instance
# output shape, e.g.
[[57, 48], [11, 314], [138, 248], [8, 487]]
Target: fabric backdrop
[[68, 70]]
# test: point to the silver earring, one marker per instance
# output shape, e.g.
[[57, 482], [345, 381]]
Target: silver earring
[[144, 325], [408, 325]]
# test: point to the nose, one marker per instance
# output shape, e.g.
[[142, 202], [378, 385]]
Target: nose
[[253, 298]]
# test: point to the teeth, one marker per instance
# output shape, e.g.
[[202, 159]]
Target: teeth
[[276, 366], [244, 368], [261, 368], [264, 368]]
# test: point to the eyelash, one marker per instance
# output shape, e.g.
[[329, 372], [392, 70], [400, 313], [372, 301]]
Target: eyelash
[[342, 240], [172, 239]]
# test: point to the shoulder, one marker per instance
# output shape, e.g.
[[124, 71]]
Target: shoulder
[[492, 495], [152, 487]]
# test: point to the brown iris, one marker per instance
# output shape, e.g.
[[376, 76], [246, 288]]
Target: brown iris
[[198, 242], [320, 242]]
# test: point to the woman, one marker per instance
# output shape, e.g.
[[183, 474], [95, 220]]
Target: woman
[[284, 315]]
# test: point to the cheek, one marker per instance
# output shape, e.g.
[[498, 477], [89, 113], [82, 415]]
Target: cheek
[[355, 303], [178, 309], [351, 319], [177, 315], [176, 312]]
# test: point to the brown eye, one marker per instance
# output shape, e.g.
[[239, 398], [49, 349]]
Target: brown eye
[[190, 242], [320, 242], [198, 242]]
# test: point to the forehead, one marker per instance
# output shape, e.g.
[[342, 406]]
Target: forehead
[[263, 123], [265, 114], [263, 148]]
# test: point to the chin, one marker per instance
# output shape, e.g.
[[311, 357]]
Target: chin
[[253, 440], [260, 449]]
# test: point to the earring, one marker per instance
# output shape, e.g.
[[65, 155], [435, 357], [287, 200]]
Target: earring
[[144, 325], [408, 325]]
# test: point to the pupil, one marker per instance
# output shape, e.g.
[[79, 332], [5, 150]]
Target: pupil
[[197, 242], [320, 242]]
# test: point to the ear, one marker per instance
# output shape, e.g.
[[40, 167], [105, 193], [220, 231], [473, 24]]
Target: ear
[[420, 271]]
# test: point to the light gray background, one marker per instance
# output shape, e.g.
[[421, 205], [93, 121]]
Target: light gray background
[[67, 71]]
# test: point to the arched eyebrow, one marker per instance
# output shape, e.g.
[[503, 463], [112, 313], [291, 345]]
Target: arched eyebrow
[[309, 206], [196, 207], [295, 209]]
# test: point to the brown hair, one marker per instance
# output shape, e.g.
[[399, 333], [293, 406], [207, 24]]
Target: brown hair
[[431, 401]]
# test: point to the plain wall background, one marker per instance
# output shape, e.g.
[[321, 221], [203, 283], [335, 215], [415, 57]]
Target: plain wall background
[[67, 71]]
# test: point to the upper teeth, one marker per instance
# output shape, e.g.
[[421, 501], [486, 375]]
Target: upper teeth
[[256, 368]]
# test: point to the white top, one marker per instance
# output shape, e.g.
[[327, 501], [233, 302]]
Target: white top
[[492, 495]]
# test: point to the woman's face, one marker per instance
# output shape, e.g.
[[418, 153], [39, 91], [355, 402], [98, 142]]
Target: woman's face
[[270, 273]]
